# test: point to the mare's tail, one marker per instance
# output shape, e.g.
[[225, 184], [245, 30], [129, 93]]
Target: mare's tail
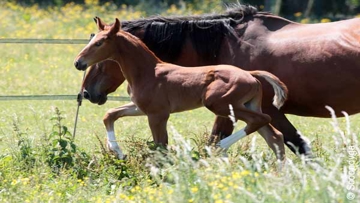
[[280, 89]]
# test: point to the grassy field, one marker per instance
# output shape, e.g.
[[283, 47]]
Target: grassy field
[[39, 162]]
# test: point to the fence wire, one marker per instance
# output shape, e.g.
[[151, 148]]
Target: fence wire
[[48, 97], [44, 41], [53, 97]]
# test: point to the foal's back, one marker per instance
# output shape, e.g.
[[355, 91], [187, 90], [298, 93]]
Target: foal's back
[[188, 88]]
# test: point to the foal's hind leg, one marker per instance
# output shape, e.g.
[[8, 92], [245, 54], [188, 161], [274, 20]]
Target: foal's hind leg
[[110, 117], [254, 121], [272, 136], [222, 128]]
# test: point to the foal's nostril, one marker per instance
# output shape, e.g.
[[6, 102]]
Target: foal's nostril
[[76, 64], [86, 94]]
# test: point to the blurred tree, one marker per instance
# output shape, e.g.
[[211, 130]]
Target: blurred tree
[[353, 5], [273, 5], [309, 7]]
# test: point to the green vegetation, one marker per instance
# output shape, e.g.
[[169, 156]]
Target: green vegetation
[[41, 162]]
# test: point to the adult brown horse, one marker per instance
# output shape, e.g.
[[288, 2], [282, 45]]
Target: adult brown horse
[[159, 88], [319, 63]]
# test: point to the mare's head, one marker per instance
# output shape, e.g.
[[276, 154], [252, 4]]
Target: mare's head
[[100, 47], [102, 79]]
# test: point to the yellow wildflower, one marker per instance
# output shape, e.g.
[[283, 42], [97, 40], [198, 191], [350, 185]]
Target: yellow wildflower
[[305, 20], [325, 20], [245, 173], [194, 189], [297, 14]]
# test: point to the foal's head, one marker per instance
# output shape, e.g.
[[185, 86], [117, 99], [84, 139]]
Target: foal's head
[[101, 46], [102, 79]]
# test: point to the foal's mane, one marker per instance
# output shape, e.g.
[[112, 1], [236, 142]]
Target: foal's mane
[[165, 36]]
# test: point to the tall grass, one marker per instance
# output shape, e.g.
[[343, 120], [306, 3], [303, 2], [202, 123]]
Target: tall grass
[[50, 170]]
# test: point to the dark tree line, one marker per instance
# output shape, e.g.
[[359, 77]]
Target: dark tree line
[[287, 8]]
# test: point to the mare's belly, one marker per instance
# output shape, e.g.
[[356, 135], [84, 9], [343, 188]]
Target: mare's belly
[[338, 88], [312, 86]]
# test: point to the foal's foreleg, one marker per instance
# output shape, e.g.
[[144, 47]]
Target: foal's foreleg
[[157, 123], [110, 117]]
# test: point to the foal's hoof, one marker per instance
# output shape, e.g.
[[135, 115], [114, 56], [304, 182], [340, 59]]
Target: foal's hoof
[[222, 152], [123, 157], [119, 156]]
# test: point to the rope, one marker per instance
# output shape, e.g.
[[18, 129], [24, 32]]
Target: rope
[[79, 100]]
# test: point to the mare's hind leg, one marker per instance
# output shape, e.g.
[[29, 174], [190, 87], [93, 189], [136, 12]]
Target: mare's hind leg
[[110, 117]]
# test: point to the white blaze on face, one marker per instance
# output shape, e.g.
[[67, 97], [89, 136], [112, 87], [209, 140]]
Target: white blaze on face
[[90, 42], [92, 39]]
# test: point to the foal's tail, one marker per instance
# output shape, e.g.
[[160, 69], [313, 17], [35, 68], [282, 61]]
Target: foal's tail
[[280, 89]]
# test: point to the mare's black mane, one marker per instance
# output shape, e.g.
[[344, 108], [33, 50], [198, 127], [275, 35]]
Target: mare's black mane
[[165, 36]]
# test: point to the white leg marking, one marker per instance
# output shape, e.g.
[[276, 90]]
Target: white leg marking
[[227, 142], [113, 145]]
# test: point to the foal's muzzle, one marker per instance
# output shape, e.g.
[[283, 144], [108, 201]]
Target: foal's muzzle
[[80, 66]]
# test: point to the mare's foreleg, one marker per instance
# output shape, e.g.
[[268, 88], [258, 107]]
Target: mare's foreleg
[[110, 117]]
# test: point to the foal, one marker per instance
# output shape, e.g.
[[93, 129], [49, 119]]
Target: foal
[[159, 89]]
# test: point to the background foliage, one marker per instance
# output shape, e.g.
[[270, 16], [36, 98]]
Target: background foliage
[[333, 9]]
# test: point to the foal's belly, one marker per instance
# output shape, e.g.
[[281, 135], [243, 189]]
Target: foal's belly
[[185, 105]]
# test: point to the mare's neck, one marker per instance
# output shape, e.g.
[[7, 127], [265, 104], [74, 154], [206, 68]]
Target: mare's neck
[[136, 61]]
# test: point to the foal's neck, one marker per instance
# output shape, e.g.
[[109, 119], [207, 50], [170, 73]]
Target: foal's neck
[[136, 60]]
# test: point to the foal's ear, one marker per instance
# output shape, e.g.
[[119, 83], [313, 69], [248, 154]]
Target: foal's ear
[[99, 23], [115, 28]]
